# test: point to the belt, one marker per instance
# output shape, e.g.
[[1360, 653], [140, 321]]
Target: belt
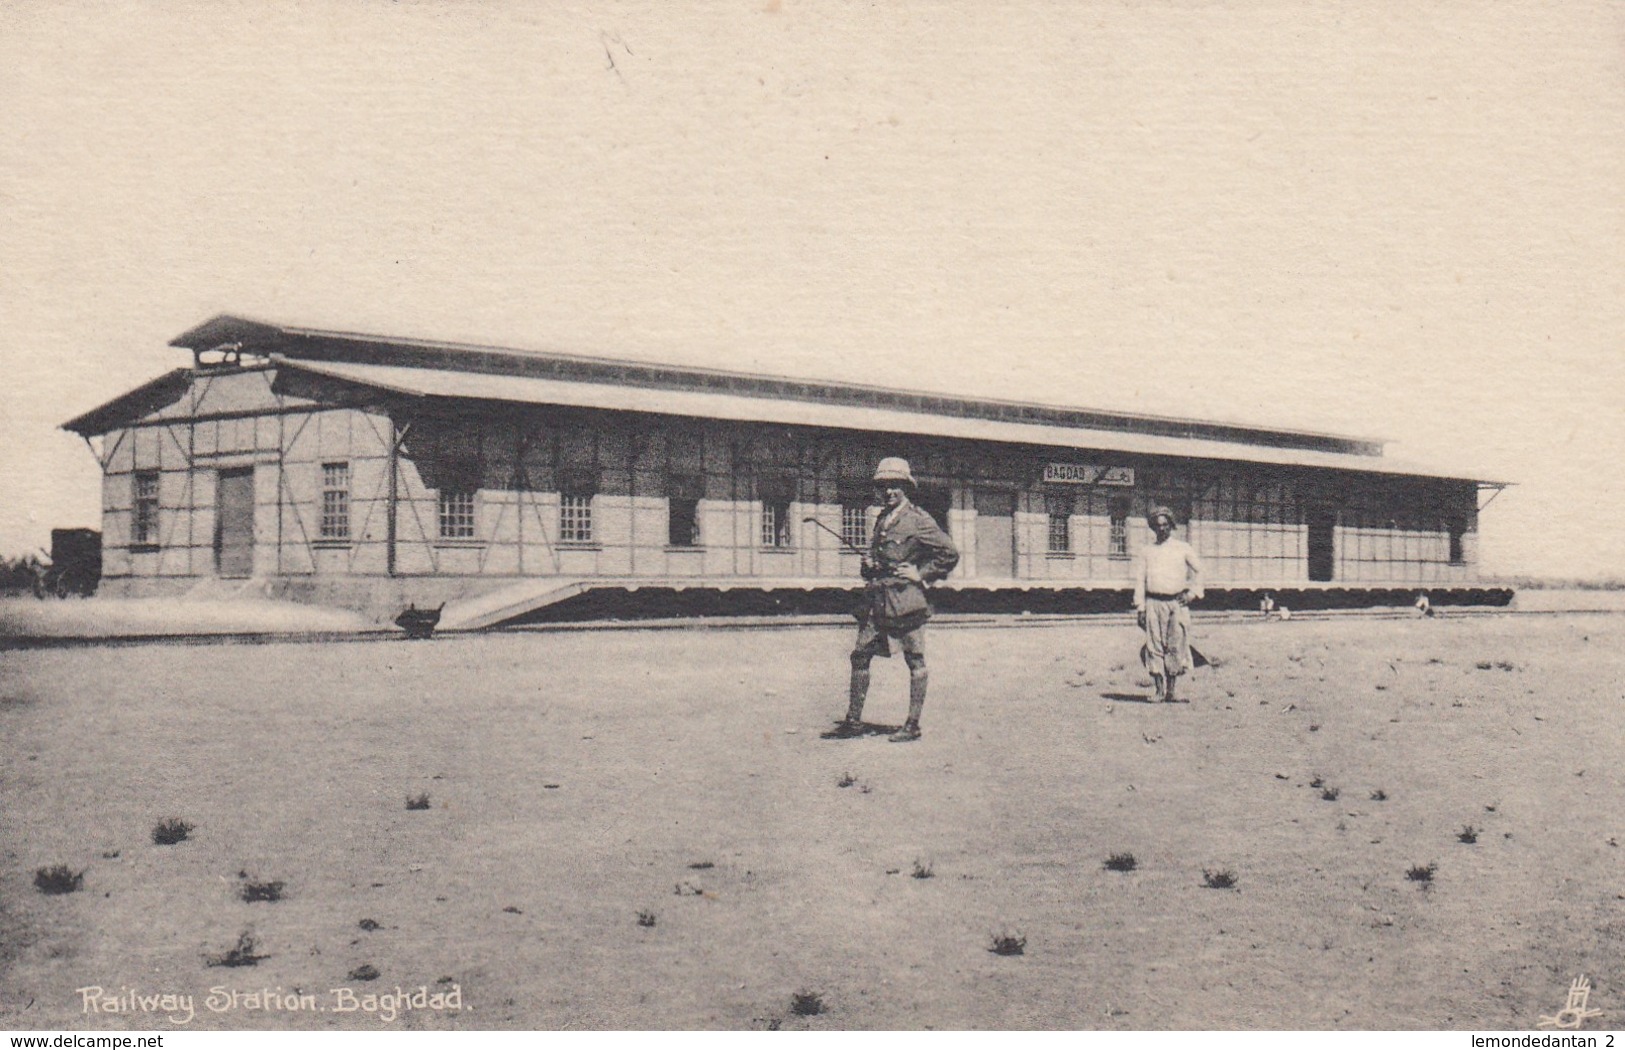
[[1162, 597]]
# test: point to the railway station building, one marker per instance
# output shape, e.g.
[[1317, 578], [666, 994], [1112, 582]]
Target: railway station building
[[376, 472]]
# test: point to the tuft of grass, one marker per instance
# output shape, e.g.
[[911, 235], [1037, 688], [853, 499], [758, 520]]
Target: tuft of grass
[[369, 925], [1121, 862], [806, 1003], [260, 891], [846, 781], [1421, 873], [1330, 793], [170, 831], [364, 972], [1223, 879], [244, 954], [1467, 834], [646, 918], [1318, 782], [1505, 665], [1008, 944], [57, 879], [701, 865], [921, 871], [418, 801], [1379, 795]]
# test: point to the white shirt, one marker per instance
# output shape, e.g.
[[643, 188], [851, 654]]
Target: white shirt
[[1167, 568]]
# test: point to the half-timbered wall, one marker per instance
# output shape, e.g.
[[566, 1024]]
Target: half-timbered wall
[[582, 493]]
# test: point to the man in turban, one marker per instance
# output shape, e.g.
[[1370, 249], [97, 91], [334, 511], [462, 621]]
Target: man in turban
[[1167, 578]]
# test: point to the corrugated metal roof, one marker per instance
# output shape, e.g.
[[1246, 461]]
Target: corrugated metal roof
[[440, 383], [313, 344]]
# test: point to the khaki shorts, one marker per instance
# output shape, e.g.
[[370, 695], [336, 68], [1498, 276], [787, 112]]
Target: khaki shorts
[[874, 640]]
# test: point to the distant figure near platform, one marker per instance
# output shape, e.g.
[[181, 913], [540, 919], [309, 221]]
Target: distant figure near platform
[[1424, 606], [1266, 605], [906, 553], [1167, 579]]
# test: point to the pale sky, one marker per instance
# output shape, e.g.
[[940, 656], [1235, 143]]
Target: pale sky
[[1390, 219]]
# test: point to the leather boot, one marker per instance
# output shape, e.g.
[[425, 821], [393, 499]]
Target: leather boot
[[916, 703]]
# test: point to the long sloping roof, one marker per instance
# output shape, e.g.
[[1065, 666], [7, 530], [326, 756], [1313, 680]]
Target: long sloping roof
[[442, 383], [311, 344]]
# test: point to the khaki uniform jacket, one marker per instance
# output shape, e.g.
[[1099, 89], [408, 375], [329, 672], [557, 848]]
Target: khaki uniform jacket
[[891, 601]]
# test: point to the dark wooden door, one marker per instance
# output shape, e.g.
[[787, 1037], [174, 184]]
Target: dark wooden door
[[1322, 525], [234, 524]]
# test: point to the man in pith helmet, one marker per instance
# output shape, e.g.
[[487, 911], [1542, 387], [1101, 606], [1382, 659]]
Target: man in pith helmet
[[907, 552], [1167, 578]]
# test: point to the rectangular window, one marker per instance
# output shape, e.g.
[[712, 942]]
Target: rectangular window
[[776, 495], [1060, 523], [335, 501], [855, 524], [576, 491], [144, 523], [683, 492], [456, 514], [1117, 537]]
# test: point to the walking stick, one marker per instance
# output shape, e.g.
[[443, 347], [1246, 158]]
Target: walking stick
[[844, 541]]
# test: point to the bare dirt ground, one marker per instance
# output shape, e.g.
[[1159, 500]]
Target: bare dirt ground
[[576, 780]]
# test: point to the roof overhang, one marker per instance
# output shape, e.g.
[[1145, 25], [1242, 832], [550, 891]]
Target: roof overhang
[[145, 399], [444, 384]]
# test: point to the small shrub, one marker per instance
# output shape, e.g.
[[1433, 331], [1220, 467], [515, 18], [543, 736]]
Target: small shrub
[[418, 801], [1421, 873], [1008, 944], [701, 865], [369, 925], [1330, 793], [513, 909], [168, 832], [846, 781], [1218, 880], [921, 871], [1505, 665], [646, 918], [1121, 862], [1379, 795], [1468, 834], [806, 1004], [58, 878], [260, 891], [244, 954], [364, 972], [1483, 665], [1318, 782]]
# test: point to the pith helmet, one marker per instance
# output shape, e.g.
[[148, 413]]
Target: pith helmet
[[893, 469], [1154, 513]]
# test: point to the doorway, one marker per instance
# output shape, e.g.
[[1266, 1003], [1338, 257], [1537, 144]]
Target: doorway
[[234, 524], [995, 534], [1322, 524]]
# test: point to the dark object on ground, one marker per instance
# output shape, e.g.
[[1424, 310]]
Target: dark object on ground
[[58, 878], [806, 1004], [170, 831], [364, 972], [369, 925], [646, 918], [418, 802], [1121, 862], [1008, 944], [1421, 873], [260, 891], [1218, 880], [76, 564], [419, 623], [242, 955]]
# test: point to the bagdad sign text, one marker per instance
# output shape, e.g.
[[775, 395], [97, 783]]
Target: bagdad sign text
[[1085, 474]]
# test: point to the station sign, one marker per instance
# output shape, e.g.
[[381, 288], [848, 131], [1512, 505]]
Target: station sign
[[1086, 474]]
